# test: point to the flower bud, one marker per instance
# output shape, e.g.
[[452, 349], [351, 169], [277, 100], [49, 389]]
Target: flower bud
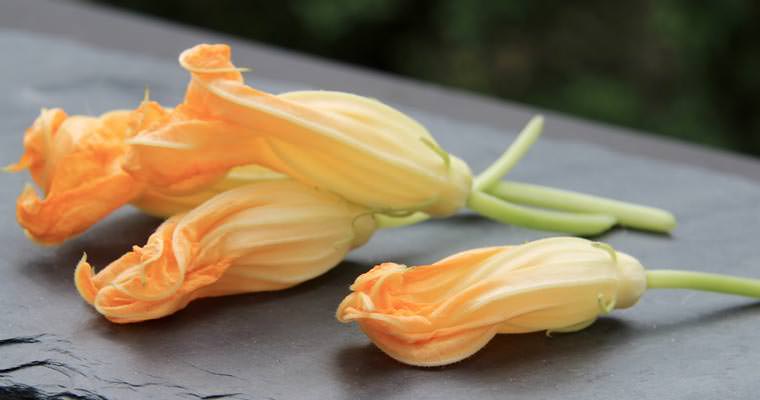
[[264, 236], [359, 148], [442, 313]]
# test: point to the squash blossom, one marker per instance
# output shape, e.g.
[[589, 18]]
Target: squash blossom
[[359, 148], [444, 312], [263, 236]]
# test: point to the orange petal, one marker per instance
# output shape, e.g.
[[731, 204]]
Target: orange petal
[[65, 214], [38, 143], [77, 162], [267, 235], [185, 154], [121, 308], [83, 280], [147, 115]]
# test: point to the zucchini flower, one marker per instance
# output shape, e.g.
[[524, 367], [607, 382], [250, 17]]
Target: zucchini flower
[[444, 312], [359, 148], [268, 235]]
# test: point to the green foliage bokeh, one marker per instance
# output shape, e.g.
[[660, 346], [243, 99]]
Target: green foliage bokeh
[[686, 69]]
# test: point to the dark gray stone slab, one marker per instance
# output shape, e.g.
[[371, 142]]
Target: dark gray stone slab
[[287, 345]]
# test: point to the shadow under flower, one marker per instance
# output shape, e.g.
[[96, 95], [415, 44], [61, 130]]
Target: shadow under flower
[[511, 355], [238, 320], [103, 243], [717, 316], [519, 359]]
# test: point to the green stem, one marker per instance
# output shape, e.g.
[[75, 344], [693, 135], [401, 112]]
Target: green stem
[[386, 221], [556, 221], [672, 279], [628, 214], [511, 156]]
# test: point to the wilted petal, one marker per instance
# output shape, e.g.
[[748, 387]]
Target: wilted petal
[[38, 140], [147, 282], [264, 236], [76, 161], [444, 312]]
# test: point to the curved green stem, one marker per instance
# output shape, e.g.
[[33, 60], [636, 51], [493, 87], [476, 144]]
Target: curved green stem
[[556, 221], [673, 279], [628, 214], [387, 221], [511, 156]]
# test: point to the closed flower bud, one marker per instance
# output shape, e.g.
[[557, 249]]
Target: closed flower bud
[[359, 148], [264, 236], [442, 313]]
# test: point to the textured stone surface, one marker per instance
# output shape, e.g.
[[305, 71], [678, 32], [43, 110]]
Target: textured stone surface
[[287, 345]]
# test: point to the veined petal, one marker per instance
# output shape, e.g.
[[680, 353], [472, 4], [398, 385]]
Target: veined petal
[[362, 110], [199, 149], [158, 203], [358, 148], [441, 313], [389, 155], [267, 235]]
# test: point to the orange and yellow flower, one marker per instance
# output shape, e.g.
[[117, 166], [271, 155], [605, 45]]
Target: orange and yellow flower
[[167, 160], [442, 313], [262, 236], [359, 148], [77, 162]]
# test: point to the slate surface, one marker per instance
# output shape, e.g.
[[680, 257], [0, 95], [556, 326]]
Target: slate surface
[[287, 345]]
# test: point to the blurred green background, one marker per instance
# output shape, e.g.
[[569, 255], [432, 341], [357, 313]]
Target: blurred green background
[[685, 69]]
